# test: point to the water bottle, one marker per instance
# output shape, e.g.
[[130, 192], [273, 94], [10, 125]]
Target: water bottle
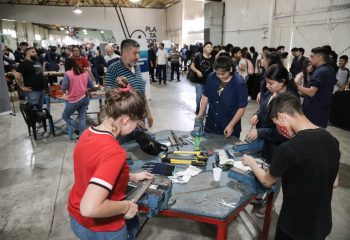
[[197, 142]]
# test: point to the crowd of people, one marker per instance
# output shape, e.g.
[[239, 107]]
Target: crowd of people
[[293, 112]]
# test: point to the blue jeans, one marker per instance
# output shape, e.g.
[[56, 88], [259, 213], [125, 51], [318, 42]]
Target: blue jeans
[[84, 233], [36, 98], [199, 92], [81, 106]]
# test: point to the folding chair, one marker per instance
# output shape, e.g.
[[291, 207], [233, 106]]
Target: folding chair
[[34, 115]]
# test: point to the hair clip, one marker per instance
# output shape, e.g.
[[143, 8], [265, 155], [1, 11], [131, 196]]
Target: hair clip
[[126, 89]]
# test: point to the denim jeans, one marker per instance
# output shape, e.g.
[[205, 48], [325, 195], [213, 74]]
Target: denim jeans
[[81, 106], [199, 92], [162, 73], [36, 98], [84, 233]]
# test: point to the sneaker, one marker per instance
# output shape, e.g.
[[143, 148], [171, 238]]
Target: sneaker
[[76, 131], [178, 80]]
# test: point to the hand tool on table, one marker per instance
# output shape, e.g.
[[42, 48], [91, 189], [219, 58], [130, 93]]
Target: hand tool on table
[[223, 202], [196, 158], [173, 143], [176, 138]]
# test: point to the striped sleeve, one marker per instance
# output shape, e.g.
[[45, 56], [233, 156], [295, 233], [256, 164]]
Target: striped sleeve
[[111, 76], [109, 169]]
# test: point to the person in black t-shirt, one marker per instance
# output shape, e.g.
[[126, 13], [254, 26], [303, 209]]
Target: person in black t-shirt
[[30, 78], [152, 59], [202, 66], [308, 164]]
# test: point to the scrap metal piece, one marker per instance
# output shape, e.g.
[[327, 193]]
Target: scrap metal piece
[[142, 190]]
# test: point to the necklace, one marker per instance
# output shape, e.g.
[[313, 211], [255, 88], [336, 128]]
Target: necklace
[[221, 88]]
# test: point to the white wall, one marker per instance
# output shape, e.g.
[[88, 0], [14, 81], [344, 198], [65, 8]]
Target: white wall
[[174, 21], [193, 21], [213, 20], [295, 23], [185, 22], [140, 21]]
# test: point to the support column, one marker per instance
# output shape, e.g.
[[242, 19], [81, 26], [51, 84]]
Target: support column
[[5, 106], [213, 22], [271, 22]]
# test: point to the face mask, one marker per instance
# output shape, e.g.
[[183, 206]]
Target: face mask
[[283, 130]]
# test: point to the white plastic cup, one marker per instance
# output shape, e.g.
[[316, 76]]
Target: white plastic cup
[[217, 174]]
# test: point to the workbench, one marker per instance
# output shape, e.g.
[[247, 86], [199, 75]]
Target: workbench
[[49, 99], [198, 200]]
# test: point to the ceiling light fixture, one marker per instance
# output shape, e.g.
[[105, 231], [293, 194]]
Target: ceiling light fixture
[[77, 10], [134, 1]]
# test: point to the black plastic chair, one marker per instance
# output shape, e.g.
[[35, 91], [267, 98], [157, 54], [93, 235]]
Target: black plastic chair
[[33, 115]]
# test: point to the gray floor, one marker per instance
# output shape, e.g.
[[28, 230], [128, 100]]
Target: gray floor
[[36, 176]]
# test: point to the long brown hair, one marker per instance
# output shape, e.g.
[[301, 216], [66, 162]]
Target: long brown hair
[[70, 63]]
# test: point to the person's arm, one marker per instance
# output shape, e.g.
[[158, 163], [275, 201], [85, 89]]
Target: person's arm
[[241, 66], [264, 177], [203, 106], [270, 134], [136, 177], [194, 69], [19, 80], [95, 204], [111, 77], [229, 128], [88, 69], [65, 82], [257, 65], [90, 84], [307, 91], [149, 116], [343, 87]]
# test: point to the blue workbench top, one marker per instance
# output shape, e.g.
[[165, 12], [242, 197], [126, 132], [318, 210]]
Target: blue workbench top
[[200, 196]]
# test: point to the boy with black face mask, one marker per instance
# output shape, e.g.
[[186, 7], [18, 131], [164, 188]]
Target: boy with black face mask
[[30, 78]]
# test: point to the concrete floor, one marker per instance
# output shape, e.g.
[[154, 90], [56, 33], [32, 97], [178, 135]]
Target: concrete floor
[[36, 176]]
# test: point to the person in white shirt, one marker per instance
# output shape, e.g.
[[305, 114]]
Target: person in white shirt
[[110, 55], [9, 59], [162, 59], [342, 74]]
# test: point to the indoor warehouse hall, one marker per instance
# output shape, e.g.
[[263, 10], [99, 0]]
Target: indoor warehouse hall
[[174, 119]]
